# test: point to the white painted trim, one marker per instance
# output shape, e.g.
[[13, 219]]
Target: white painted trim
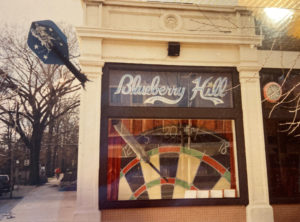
[[168, 36]]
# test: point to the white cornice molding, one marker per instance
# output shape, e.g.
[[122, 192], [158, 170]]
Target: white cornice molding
[[249, 68], [168, 37], [249, 73], [172, 5], [91, 67], [91, 63], [94, 1]]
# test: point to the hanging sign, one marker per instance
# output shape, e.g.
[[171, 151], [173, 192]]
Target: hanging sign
[[50, 44], [170, 89]]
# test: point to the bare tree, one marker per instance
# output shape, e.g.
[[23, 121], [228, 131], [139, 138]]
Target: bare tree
[[60, 131], [289, 101], [279, 37], [30, 92]]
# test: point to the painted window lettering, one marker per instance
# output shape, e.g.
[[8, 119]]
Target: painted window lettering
[[210, 89], [132, 86]]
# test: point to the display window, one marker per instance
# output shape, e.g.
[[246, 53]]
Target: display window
[[282, 139], [171, 136]]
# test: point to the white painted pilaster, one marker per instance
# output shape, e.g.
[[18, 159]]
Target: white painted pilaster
[[88, 153], [259, 209], [92, 12], [87, 207]]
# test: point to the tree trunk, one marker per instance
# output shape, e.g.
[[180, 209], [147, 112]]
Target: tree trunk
[[12, 161], [50, 163], [49, 168], [34, 177], [54, 157]]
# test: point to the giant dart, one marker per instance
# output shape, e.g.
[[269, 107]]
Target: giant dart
[[50, 44], [134, 145]]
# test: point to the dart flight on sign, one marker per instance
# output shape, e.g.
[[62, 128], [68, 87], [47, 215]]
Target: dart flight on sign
[[50, 44]]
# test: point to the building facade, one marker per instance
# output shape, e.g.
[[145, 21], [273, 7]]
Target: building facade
[[171, 123]]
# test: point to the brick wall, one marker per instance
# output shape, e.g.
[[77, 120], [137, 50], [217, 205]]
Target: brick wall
[[286, 213], [174, 214]]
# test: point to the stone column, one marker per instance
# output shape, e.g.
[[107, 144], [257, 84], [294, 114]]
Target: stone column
[[87, 207], [88, 152], [259, 209]]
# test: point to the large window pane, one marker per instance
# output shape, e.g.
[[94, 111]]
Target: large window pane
[[282, 136], [284, 160], [171, 159]]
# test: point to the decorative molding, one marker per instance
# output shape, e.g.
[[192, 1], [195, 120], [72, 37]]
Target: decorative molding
[[167, 61], [171, 22], [249, 68], [92, 15], [249, 74], [93, 75], [92, 69], [94, 1], [164, 20], [167, 36], [173, 5], [93, 63]]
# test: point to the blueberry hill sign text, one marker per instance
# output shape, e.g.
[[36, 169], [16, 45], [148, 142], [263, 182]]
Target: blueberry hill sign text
[[168, 89]]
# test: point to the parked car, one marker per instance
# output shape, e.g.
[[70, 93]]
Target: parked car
[[69, 181], [4, 183]]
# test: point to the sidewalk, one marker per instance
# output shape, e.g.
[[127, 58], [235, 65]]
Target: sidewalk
[[7, 203], [45, 204]]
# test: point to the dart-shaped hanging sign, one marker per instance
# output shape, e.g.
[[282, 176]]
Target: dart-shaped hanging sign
[[50, 44]]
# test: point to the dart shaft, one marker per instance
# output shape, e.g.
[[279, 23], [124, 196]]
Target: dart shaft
[[135, 146], [131, 141], [154, 168], [81, 77]]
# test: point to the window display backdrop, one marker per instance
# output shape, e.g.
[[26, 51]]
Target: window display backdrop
[[158, 151]]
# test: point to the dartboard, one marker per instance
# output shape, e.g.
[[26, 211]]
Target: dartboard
[[188, 158]]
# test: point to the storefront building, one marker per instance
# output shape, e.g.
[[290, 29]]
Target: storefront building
[[172, 126]]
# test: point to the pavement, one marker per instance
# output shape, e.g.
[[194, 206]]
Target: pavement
[[40, 204]]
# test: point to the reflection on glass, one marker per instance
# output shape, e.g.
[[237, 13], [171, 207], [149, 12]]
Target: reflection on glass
[[170, 159], [284, 160]]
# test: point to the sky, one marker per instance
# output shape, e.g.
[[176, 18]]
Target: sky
[[23, 12]]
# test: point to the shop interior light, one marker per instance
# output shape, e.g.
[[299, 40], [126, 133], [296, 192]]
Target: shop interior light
[[278, 14]]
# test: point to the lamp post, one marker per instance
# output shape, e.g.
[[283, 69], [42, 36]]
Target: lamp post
[[10, 147]]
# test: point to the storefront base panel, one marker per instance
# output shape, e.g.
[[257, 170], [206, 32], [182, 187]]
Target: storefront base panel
[[286, 213], [191, 214]]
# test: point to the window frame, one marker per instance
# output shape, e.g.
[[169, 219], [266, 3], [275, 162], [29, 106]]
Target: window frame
[[234, 113], [279, 115]]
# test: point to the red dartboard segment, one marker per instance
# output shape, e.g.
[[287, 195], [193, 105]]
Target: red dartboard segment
[[193, 188], [169, 149], [140, 191], [170, 181], [221, 169], [130, 165]]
